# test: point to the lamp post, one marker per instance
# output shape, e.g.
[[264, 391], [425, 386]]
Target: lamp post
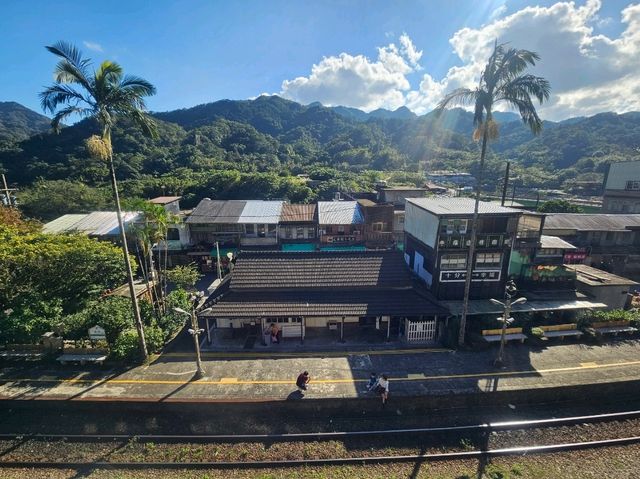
[[194, 331], [510, 290]]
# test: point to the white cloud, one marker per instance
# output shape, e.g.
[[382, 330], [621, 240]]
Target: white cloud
[[498, 12], [589, 72], [358, 81], [96, 47]]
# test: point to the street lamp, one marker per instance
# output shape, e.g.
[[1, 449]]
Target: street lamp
[[194, 331], [510, 290]]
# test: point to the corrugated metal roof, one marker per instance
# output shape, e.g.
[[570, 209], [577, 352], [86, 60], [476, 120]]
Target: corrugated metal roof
[[264, 212], [103, 223], [460, 206], [591, 222], [98, 223], [297, 213], [597, 277], [163, 200], [216, 211], [555, 242], [63, 224], [339, 213]]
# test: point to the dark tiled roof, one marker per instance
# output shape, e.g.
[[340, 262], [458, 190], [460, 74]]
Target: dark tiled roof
[[214, 211], [297, 213], [320, 270], [324, 303]]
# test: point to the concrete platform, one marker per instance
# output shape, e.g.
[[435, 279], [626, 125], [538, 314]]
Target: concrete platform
[[267, 376]]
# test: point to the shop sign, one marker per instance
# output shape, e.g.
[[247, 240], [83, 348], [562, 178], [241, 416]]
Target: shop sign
[[453, 276]]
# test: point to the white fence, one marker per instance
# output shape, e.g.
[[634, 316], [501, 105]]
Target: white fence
[[421, 331]]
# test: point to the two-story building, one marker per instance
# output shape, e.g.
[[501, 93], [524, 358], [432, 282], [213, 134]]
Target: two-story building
[[235, 222], [298, 226], [621, 189], [607, 241], [437, 241], [340, 223]]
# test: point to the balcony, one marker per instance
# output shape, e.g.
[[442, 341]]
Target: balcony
[[268, 241]]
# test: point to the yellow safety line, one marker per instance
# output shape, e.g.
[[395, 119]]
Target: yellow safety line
[[227, 381]]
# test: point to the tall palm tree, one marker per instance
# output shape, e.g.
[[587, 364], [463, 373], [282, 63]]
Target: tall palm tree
[[501, 81], [105, 94]]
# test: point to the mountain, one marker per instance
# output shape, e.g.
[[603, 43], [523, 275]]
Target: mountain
[[18, 122], [268, 140], [402, 113]]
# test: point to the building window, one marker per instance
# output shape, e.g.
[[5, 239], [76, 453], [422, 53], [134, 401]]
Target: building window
[[453, 261], [488, 260], [311, 233], [609, 236], [299, 233], [340, 229], [287, 232], [449, 227], [250, 229], [173, 234], [379, 226]]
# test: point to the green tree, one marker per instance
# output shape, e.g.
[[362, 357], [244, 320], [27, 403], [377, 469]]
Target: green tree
[[104, 94], [185, 277], [49, 199], [44, 276], [502, 81], [559, 206]]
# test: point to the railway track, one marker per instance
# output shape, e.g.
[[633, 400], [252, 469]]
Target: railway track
[[622, 422]]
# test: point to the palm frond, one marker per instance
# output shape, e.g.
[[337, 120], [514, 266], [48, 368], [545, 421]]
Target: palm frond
[[459, 96], [108, 73], [528, 113], [526, 85], [57, 119], [137, 86], [60, 94], [142, 120], [72, 68]]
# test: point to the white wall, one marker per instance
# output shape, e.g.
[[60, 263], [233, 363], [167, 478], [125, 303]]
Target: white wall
[[421, 224]]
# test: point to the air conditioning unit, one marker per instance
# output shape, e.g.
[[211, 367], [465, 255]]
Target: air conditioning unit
[[356, 232]]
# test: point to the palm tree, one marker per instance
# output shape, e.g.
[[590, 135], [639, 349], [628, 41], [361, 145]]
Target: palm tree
[[501, 81], [105, 95]]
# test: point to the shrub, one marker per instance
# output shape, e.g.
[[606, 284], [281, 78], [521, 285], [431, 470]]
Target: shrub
[[154, 337], [537, 333], [126, 345]]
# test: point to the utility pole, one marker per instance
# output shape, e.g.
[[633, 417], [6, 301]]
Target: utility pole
[[506, 183], [7, 199]]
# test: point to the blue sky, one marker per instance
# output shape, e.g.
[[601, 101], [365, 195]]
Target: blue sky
[[201, 51]]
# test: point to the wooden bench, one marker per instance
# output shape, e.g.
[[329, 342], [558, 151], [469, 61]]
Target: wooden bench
[[83, 356], [561, 330], [22, 351], [613, 327], [511, 334]]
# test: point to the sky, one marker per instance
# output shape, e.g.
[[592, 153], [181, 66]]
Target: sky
[[363, 54]]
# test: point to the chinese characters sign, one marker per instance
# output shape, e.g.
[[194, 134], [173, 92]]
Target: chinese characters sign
[[451, 276]]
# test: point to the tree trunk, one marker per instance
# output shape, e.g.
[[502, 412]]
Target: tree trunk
[[472, 247], [125, 250]]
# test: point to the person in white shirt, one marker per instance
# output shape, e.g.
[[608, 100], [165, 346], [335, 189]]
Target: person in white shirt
[[383, 388]]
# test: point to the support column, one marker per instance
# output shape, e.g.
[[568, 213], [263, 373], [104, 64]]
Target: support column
[[262, 328], [206, 319], [342, 330], [302, 330], [388, 328]]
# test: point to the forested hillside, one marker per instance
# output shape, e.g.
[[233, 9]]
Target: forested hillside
[[19, 123], [255, 149]]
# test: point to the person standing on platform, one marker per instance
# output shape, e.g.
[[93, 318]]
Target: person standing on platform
[[383, 389]]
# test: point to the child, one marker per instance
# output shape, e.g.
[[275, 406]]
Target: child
[[303, 380], [382, 388], [373, 380]]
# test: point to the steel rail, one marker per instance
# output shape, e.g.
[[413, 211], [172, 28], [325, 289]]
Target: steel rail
[[493, 426], [477, 454]]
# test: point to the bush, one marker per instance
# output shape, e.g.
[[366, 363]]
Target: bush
[[126, 345], [154, 337], [171, 322], [537, 333]]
